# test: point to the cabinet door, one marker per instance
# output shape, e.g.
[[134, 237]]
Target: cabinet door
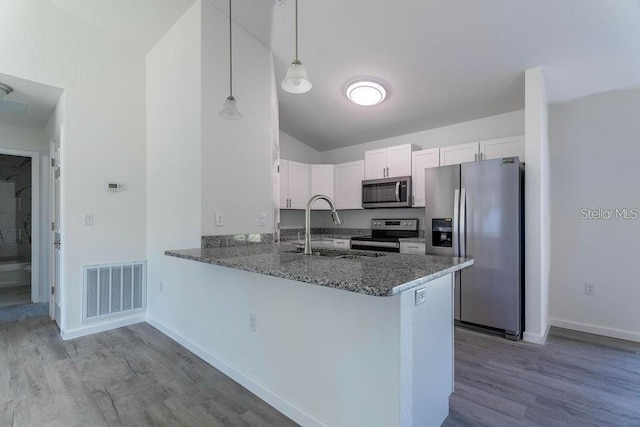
[[413, 248], [321, 183], [283, 178], [399, 160], [456, 154], [298, 185], [375, 164], [342, 243], [422, 160], [503, 147], [348, 185]]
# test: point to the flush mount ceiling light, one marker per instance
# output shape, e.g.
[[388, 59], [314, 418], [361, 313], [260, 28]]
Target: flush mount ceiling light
[[230, 107], [366, 93], [296, 80], [5, 90]]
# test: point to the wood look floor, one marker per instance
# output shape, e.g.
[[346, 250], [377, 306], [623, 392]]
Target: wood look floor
[[575, 379], [133, 376], [136, 376]]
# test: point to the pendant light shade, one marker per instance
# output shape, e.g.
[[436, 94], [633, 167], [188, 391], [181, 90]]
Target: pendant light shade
[[230, 107], [296, 80]]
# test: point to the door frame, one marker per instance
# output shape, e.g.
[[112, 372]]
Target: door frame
[[37, 294]]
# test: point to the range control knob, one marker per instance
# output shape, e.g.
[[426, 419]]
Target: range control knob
[[406, 223]]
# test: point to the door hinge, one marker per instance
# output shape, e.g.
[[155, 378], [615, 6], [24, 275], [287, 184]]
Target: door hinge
[[53, 226], [278, 168], [53, 163], [53, 290]]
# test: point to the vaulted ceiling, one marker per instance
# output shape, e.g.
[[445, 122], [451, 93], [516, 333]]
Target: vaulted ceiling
[[442, 61]]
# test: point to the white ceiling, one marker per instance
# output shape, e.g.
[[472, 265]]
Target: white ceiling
[[442, 61], [41, 100]]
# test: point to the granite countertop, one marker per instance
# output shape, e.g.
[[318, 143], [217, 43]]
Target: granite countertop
[[385, 275]]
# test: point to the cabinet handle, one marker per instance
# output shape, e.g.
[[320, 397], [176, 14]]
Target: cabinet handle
[[476, 157], [412, 247], [481, 156], [387, 172]]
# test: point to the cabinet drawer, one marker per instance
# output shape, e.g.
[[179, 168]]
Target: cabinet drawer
[[413, 248], [342, 243]]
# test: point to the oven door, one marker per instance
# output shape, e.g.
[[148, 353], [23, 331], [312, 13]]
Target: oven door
[[375, 245], [386, 192]]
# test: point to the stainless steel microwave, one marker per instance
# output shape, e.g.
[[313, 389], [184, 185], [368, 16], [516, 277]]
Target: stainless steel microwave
[[387, 192]]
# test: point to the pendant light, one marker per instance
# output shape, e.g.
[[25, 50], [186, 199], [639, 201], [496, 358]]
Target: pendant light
[[5, 90], [296, 80], [230, 107]]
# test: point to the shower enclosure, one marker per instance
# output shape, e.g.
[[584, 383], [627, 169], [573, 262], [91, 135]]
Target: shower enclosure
[[15, 230]]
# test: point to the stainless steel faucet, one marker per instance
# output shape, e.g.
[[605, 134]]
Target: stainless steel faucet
[[307, 219]]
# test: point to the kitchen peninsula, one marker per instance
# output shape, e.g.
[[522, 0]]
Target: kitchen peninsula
[[378, 331]]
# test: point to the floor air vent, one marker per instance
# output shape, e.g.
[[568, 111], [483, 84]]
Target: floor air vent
[[112, 290]]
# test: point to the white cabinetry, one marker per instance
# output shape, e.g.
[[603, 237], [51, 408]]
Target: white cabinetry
[[456, 154], [348, 185], [342, 243], [503, 147], [422, 160], [294, 185], [388, 162], [412, 248], [321, 182]]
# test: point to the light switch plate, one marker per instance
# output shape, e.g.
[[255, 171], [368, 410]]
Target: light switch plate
[[421, 296], [87, 219], [219, 219]]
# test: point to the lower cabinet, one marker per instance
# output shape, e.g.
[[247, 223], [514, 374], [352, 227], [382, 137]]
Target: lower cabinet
[[412, 248]]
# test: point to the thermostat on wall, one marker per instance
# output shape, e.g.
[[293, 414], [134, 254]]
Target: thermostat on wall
[[113, 186]]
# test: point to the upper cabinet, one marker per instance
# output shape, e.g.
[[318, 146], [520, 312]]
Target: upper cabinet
[[294, 185], [388, 162], [503, 147], [321, 182], [422, 160], [456, 154], [348, 185]]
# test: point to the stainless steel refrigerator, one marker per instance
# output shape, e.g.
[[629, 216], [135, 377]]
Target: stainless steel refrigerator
[[475, 210]]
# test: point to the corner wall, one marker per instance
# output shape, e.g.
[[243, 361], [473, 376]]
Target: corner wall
[[537, 228], [594, 165]]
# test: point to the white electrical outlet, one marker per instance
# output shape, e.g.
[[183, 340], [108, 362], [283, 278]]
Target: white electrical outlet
[[589, 288], [253, 322], [421, 296], [87, 219], [219, 219], [262, 219]]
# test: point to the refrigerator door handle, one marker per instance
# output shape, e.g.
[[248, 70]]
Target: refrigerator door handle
[[398, 191], [463, 222], [456, 217]]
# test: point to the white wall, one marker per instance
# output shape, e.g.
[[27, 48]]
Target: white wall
[[105, 133], [537, 227], [502, 125], [594, 164], [22, 138], [236, 154], [296, 150]]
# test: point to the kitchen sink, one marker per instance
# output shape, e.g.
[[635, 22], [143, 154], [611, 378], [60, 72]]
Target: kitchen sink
[[336, 253]]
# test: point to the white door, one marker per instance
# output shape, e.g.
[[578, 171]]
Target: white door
[[399, 160], [348, 185], [283, 177], [422, 160], [321, 177], [456, 154], [298, 185], [503, 147], [55, 183], [375, 164]]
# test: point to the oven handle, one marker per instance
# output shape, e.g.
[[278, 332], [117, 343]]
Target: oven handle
[[375, 244], [398, 191]]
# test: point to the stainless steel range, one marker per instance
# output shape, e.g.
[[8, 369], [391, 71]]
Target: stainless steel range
[[386, 235]]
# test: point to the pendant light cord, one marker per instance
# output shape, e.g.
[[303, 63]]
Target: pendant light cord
[[230, 55], [296, 30]]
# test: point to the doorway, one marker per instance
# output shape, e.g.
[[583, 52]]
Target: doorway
[[18, 228]]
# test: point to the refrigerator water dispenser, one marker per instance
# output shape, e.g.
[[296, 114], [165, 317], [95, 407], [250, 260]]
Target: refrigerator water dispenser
[[442, 232]]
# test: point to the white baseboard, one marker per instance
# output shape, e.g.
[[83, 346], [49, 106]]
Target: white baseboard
[[69, 334], [283, 405], [536, 338], [597, 330]]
